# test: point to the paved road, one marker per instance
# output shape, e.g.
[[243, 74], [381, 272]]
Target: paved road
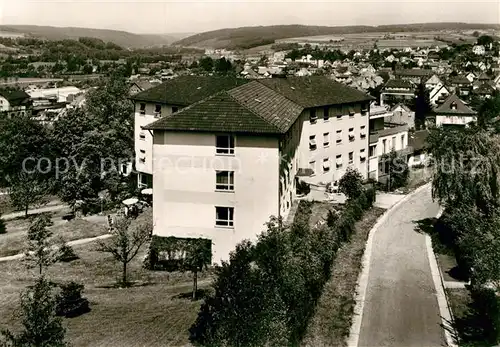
[[401, 307]]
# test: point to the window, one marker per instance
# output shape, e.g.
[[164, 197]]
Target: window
[[326, 116], [362, 155], [362, 133], [351, 137], [157, 110], [351, 157], [364, 111], [351, 130], [338, 160], [312, 116], [142, 108], [351, 112], [175, 109], [142, 151], [224, 180], [224, 216], [142, 160], [326, 165], [394, 142], [384, 146], [312, 142], [339, 117], [142, 136], [312, 166], [372, 150], [339, 136], [326, 139], [402, 141], [224, 144], [22, 113]]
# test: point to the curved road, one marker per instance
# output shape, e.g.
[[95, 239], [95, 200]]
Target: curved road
[[401, 307]]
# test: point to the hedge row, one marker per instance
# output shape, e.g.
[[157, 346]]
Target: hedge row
[[268, 291]]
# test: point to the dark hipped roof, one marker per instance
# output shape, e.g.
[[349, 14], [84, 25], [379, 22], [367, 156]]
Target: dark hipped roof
[[186, 90], [414, 72], [14, 96], [219, 112], [397, 83], [315, 91], [460, 79], [461, 107], [259, 106]]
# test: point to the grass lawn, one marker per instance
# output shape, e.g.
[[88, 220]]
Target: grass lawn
[[14, 241], [332, 321], [149, 314], [319, 211]]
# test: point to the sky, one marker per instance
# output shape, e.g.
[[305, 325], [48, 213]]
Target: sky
[[164, 16]]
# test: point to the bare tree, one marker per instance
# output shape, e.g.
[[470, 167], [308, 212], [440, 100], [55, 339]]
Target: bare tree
[[126, 241]]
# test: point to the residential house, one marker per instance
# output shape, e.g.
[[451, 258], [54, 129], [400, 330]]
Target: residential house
[[479, 50], [438, 94], [14, 102], [402, 114], [471, 76], [416, 147], [140, 86], [233, 159], [453, 112], [414, 75], [397, 90], [163, 100], [385, 136], [496, 82], [484, 90], [432, 82], [460, 85]]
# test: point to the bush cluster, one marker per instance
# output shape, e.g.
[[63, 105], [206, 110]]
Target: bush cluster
[[70, 302], [267, 292]]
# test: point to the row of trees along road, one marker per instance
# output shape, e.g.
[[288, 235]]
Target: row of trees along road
[[76, 157], [466, 182]]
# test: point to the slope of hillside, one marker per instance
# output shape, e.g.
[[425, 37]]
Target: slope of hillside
[[247, 37], [121, 38]]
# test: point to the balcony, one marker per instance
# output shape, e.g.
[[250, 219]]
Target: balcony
[[389, 129], [379, 112]]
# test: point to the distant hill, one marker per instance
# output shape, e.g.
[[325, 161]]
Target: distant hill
[[248, 37], [121, 38]]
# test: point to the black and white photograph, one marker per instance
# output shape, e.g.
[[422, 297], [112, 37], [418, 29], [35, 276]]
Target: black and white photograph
[[248, 173]]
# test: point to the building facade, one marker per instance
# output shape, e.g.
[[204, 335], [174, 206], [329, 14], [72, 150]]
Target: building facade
[[222, 166]]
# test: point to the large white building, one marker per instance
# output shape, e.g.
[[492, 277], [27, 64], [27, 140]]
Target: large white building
[[161, 101], [222, 166]]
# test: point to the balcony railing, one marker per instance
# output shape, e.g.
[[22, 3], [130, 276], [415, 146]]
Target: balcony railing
[[389, 129]]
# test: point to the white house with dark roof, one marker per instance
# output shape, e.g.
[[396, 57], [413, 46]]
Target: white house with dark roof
[[454, 112], [223, 165]]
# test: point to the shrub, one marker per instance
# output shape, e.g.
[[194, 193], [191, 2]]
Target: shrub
[[3, 228], [351, 183], [70, 302], [370, 194], [66, 253], [303, 188], [267, 293]]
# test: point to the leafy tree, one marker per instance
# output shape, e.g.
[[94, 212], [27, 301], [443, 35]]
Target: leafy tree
[[485, 40], [223, 66], [23, 142], [207, 64], [466, 167], [396, 168], [422, 106], [42, 328], [87, 69], [351, 183], [25, 190], [92, 142], [126, 243], [40, 253], [489, 113], [198, 256]]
